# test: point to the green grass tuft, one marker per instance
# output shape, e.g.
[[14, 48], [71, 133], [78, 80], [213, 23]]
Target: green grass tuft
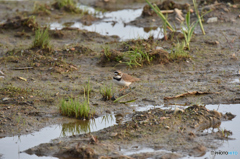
[[178, 52], [137, 56], [64, 3], [68, 6], [107, 92], [188, 32], [75, 108], [41, 39], [42, 9], [107, 52]]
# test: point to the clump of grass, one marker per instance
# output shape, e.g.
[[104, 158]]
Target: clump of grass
[[63, 3], [178, 52], [13, 91], [41, 39], [106, 92], [68, 6], [42, 9], [110, 56], [75, 108], [138, 56], [107, 52]]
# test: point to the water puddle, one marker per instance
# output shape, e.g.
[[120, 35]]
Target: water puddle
[[10, 147], [114, 23], [148, 107], [236, 80], [141, 150], [230, 146]]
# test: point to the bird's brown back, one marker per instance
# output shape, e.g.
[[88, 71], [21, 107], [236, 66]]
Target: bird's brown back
[[129, 78]]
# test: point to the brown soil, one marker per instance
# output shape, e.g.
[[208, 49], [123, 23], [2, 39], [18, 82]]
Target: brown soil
[[34, 80]]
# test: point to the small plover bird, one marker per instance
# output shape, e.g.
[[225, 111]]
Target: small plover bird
[[123, 79]]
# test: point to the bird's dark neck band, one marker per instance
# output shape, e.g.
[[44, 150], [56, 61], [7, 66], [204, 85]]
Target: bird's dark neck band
[[118, 79]]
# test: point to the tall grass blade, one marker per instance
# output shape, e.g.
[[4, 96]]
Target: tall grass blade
[[120, 98], [198, 16], [159, 13]]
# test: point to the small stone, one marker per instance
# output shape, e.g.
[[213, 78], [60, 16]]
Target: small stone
[[9, 107], [234, 6], [212, 20], [163, 118], [167, 127], [73, 67], [21, 78], [1, 73], [113, 134], [37, 64], [225, 9], [191, 10], [5, 99], [234, 56], [153, 20], [159, 48], [72, 49]]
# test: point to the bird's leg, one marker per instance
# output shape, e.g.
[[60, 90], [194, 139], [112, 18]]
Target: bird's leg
[[122, 89]]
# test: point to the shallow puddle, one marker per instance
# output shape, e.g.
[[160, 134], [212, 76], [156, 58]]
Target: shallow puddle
[[148, 107], [230, 146], [235, 80], [114, 23], [10, 147], [141, 150]]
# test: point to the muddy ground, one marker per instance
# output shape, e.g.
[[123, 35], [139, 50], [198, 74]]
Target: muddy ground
[[33, 80]]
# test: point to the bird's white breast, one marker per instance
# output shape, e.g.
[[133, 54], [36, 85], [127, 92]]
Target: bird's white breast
[[122, 82]]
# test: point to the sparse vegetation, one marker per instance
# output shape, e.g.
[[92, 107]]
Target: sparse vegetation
[[188, 30], [107, 52], [107, 92], [41, 39], [64, 3], [198, 16], [68, 6], [178, 52], [159, 13], [42, 9], [13, 91]]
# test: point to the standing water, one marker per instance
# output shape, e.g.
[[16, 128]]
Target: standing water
[[10, 147], [114, 23]]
